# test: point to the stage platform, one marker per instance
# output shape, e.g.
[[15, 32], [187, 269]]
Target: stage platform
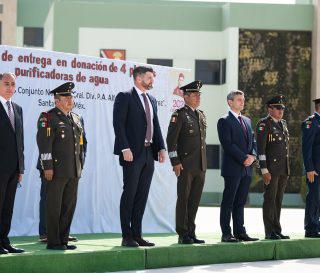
[[102, 253]]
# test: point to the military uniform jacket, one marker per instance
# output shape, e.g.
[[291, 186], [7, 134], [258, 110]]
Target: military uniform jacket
[[273, 146], [311, 143], [186, 139], [60, 143]]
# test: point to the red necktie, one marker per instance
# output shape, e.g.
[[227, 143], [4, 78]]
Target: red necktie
[[244, 129], [148, 116]]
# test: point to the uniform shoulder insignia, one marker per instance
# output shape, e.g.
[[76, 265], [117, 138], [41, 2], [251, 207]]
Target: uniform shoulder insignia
[[44, 119], [262, 124], [174, 116], [307, 123]]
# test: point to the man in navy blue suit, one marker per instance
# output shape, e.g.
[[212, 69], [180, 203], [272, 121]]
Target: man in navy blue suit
[[11, 157], [239, 146], [138, 142], [311, 158]]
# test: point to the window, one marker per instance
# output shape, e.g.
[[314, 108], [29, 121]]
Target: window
[[0, 33], [1, 8], [211, 71], [163, 62], [33, 36]]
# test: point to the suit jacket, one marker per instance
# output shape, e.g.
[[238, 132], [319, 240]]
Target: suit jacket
[[130, 124], [235, 145], [11, 141], [311, 143]]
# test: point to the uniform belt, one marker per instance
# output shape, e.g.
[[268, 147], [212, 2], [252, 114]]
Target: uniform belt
[[147, 144]]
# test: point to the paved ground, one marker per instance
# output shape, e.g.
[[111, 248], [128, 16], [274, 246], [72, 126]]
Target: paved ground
[[292, 266], [291, 220], [208, 222]]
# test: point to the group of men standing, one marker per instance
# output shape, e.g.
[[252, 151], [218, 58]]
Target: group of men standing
[[138, 143]]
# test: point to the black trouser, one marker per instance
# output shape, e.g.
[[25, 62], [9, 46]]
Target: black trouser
[[189, 190], [234, 198], [311, 219], [137, 176], [273, 195], [8, 187], [42, 207], [61, 204]]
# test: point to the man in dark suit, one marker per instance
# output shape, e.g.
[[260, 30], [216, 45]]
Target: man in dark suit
[[11, 157], [186, 142], [138, 142], [239, 146], [60, 143], [273, 154], [311, 157]]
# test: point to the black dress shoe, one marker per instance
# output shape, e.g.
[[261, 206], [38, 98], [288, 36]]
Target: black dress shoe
[[3, 251], [312, 235], [229, 239], [56, 247], [245, 237], [283, 237], [72, 239], [196, 240], [71, 247], [143, 242], [272, 236], [12, 249], [185, 240], [129, 242]]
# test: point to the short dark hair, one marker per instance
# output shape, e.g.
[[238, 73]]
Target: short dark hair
[[140, 70]]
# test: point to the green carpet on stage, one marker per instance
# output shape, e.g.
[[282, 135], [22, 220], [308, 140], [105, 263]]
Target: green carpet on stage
[[103, 253]]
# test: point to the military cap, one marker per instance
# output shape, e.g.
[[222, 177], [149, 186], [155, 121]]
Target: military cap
[[63, 89], [276, 101], [192, 87], [316, 101]]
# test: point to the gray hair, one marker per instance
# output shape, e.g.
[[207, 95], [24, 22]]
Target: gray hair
[[7, 74], [234, 93]]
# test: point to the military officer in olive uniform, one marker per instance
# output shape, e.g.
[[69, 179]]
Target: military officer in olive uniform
[[60, 143], [311, 158], [273, 154], [187, 152]]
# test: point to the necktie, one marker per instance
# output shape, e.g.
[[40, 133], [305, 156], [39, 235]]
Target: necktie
[[10, 114], [244, 129], [148, 116]]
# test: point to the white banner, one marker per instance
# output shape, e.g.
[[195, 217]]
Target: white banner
[[97, 82]]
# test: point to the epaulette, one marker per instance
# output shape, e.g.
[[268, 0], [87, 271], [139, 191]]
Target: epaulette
[[262, 122], [45, 116], [308, 119]]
